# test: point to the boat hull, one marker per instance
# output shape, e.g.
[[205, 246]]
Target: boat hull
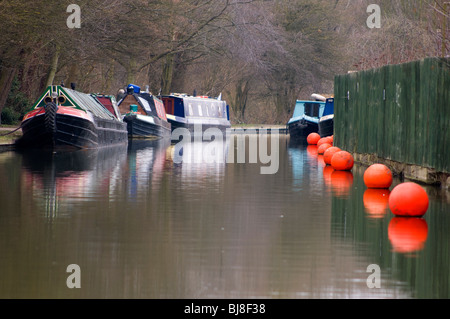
[[70, 129], [143, 126], [197, 128], [302, 128], [326, 127]]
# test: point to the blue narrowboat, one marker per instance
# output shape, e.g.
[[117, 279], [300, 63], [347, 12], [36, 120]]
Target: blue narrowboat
[[305, 119], [326, 122]]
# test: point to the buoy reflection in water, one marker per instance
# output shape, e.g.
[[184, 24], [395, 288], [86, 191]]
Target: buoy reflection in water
[[408, 234], [341, 183], [376, 202]]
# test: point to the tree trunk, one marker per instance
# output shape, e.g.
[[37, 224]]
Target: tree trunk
[[73, 74], [109, 78], [239, 102], [6, 78], [53, 66], [167, 74], [243, 98], [131, 71]]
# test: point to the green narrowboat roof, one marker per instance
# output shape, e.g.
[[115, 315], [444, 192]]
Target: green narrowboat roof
[[71, 98]]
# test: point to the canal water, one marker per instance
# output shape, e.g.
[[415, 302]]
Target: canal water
[[144, 221]]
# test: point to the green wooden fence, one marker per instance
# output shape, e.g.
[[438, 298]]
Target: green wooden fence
[[397, 112]]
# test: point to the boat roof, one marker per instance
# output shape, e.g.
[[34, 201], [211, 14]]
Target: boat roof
[[146, 101], [75, 99], [321, 97], [109, 102], [309, 101], [187, 97], [310, 113]]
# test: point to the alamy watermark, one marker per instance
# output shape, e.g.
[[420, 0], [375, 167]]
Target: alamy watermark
[[74, 19], [374, 19], [374, 279], [214, 146], [74, 279]]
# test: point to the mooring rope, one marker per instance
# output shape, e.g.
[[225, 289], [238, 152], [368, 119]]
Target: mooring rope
[[12, 131], [20, 126]]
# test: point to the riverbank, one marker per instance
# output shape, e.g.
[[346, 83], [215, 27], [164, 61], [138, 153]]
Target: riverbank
[[416, 173], [7, 141]]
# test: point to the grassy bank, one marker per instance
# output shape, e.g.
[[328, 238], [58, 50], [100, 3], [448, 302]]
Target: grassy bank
[[10, 138]]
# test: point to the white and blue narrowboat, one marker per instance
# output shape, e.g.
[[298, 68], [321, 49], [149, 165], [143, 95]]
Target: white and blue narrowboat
[[185, 111]]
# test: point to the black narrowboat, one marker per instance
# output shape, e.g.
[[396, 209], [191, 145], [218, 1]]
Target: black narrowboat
[[64, 118], [144, 114], [305, 119]]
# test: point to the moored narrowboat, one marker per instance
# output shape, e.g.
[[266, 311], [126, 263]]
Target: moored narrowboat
[[191, 112], [326, 122], [144, 114], [63, 118], [305, 119]]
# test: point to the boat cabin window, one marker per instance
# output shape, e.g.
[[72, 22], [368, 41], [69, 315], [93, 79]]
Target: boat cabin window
[[312, 109], [214, 110], [145, 104], [204, 108], [174, 106]]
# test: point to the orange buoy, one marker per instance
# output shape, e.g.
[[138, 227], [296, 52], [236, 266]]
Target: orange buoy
[[408, 199], [322, 148], [329, 152], [407, 234], [342, 161], [313, 138], [378, 176], [341, 183], [323, 140], [376, 202]]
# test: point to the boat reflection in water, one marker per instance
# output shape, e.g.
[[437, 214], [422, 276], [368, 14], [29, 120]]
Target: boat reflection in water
[[198, 160], [146, 165], [306, 166], [60, 180], [297, 161]]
